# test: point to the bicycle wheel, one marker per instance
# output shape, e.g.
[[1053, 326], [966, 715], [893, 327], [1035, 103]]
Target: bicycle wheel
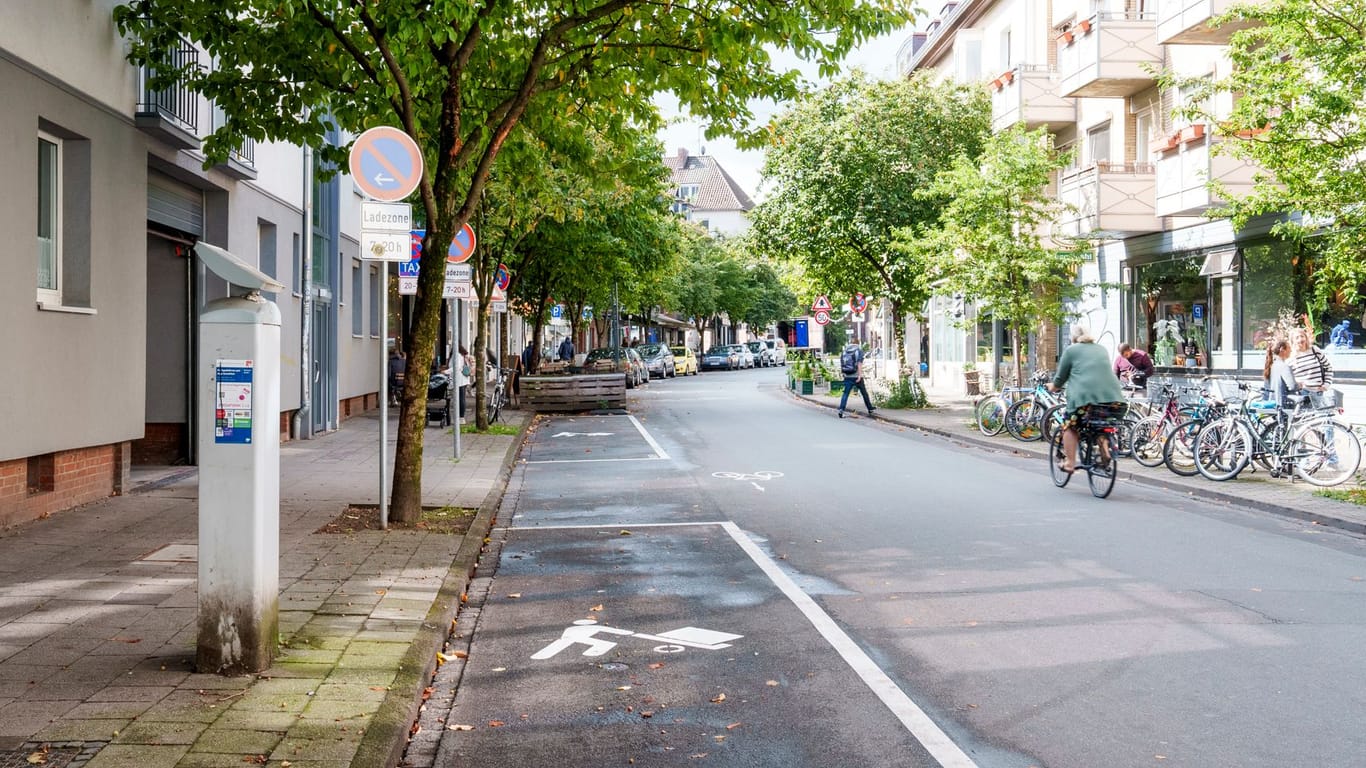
[[991, 415], [1022, 420], [1222, 449], [1052, 421], [1055, 459], [1324, 453], [495, 404], [1179, 451], [1100, 473], [1148, 438]]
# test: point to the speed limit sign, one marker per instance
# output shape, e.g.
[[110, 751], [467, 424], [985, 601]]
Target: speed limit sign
[[822, 317]]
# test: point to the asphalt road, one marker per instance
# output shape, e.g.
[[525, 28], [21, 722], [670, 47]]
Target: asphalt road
[[757, 583]]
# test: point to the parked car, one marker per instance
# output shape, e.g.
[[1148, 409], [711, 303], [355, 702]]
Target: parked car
[[762, 355], [746, 357], [659, 360], [777, 350], [721, 356], [627, 361], [685, 361]]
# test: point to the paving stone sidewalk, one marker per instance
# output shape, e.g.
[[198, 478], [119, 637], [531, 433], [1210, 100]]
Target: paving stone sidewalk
[[952, 417], [97, 618]]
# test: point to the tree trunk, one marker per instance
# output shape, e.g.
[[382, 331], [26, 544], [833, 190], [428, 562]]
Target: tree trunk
[[538, 329], [481, 340], [899, 335]]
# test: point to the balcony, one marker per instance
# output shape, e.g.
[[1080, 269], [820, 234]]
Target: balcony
[[1185, 164], [1107, 201], [1110, 55], [170, 113], [1188, 22], [1028, 94], [241, 162]]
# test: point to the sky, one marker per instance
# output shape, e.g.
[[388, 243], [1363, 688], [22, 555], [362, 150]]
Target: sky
[[877, 57]]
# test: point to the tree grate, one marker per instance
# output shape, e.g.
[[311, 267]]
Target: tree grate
[[51, 754]]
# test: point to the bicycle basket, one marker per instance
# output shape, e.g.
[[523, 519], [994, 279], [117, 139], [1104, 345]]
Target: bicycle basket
[[1326, 400]]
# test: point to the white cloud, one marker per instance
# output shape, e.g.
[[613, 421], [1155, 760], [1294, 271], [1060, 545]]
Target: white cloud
[[877, 57]]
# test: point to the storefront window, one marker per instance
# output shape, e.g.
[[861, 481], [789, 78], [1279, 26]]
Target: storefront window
[[1272, 286], [1172, 306]]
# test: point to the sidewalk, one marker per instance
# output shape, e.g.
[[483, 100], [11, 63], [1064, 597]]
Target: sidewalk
[[97, 618], [952, 418]]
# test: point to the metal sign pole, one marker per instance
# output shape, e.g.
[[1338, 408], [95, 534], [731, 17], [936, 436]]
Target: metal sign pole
[[384, 398], [457, 365]]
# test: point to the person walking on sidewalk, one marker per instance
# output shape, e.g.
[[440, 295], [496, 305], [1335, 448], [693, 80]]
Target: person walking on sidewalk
[[851, 365], [1084, 368]]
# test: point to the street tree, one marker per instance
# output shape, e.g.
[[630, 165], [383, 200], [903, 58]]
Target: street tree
[[1295, 88], [459, 76], [846, 163], [693, 293], [987, 244]]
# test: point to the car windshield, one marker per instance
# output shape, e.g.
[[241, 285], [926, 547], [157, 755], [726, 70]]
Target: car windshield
[[756, 346], [603, 353], [679, 351], [719, 349], [650, 350]]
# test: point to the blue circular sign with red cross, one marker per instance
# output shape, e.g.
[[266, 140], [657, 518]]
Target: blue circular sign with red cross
[[386, 163], [462, 247]]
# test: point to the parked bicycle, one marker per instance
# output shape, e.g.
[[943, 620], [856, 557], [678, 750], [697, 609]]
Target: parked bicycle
[[1024, 418], [1097, 451], [1298, 441], [496, 394], [990, 410]]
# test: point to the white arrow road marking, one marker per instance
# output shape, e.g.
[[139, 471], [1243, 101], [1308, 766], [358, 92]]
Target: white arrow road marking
[[583, 434], [756, 485]]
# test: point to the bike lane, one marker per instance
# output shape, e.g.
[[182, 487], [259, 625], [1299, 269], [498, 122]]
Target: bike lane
[[622, 630]]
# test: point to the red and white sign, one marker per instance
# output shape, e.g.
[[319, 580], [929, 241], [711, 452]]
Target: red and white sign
[[858, 303], [822, 304], [822, 317]]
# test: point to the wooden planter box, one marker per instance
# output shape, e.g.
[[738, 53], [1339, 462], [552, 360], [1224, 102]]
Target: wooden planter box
[[584, 392]]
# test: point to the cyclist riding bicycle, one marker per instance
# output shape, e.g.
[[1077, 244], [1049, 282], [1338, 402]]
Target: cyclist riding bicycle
[[1085, 368]]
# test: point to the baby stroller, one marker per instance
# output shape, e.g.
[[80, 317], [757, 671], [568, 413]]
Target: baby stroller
[[439, 391]]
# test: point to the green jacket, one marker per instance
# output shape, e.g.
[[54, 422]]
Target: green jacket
[[1085, 369]]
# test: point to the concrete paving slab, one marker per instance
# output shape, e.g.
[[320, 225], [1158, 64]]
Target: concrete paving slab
[[138, 756]]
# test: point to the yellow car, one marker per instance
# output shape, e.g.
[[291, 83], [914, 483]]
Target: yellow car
[[685, 361]]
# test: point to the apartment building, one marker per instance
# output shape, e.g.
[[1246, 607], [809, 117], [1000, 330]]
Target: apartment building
[[1137, 183], [108, 180]]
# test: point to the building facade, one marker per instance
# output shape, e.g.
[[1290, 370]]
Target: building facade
[[103, 315], [1137, 184]]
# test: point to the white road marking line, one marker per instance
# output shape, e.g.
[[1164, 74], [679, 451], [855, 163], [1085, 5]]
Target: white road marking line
[[922, 728], [586, 461], [614, 526], [658, 451], [756, 485]]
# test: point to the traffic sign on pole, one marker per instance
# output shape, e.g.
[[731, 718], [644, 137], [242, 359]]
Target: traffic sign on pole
[[386, 163], [858, 303], [502, 278], [383, 246], [822, 317], [386, 217], [822, 303], [462, 247]]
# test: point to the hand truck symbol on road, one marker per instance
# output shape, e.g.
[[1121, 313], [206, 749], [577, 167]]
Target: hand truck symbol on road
[[587, 631]]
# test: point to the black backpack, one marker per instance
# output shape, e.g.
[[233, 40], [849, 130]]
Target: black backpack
[[849, 361]]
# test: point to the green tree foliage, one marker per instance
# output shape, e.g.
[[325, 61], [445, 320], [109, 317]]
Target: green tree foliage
[[460, 75], [1296, 85], [987, 245], [845, 165]]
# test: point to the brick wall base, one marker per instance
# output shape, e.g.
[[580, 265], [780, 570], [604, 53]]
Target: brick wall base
[[76, 477], [160, 445]]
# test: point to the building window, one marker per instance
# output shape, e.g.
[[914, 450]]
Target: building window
[[1098, 144], [374, 301], [357, 289], [968, 52], [298, 265], [49, 219], [265, 250], [1006, 61]]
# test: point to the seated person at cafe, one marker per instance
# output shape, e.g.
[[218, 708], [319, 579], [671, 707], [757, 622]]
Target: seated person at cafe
[[1133, 365]]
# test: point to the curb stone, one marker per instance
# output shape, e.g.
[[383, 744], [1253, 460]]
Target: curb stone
[[1204, 494], [387, 737]]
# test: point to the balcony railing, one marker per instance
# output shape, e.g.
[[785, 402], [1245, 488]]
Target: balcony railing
[[170, 113], [1029, 94], [1185, 164], [1187, 22], [1107, 200], [1109, 55]]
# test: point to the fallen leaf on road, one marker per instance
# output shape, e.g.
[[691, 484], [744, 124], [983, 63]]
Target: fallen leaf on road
[[459, 727], [657, 665], [515, 595], [381, 591], [623, 687], [720, 697], [720, 738], [771, 683], [624, 533], [460, 654], [596, 607], [379, 687], [257, 759], [496, 723], [648, 713], [37, 758], [285, 764]]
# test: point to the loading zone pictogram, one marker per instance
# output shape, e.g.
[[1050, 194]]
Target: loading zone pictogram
[[587, 632]]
